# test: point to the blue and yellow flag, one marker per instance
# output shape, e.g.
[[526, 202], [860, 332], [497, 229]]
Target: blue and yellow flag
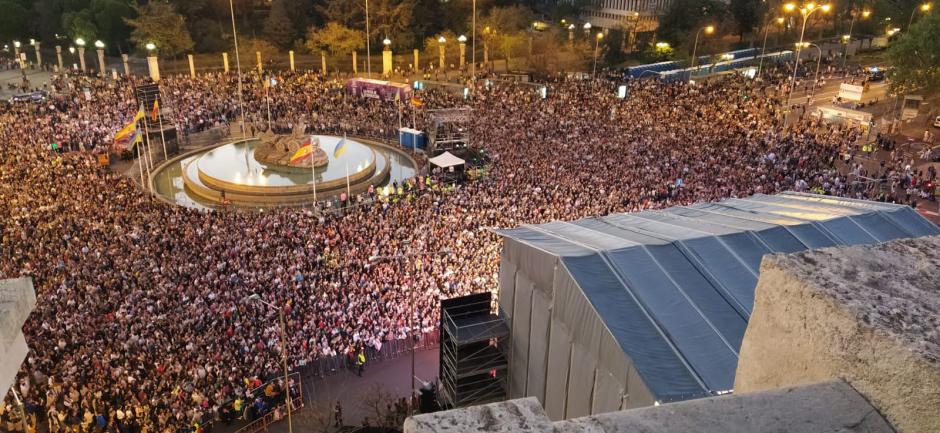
[[340, 148]]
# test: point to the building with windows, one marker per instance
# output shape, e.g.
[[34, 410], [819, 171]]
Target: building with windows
[[633, 15]]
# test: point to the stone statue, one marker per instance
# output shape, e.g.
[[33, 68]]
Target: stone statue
[[279, 149]]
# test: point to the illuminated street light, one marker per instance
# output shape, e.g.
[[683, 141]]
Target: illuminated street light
[[708, 30], [662, 45], [597, 41], [925, 7], [806, 11], [150, 46]]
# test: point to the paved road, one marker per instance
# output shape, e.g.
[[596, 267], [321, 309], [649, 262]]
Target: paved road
[[387, 379]]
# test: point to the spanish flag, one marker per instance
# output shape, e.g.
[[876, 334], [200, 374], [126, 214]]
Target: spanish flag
[[156, 110], [340, 148], [417, 102], [303, 152], [127, 133]]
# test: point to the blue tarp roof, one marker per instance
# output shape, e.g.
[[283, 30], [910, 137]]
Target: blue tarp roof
[[676, 287]]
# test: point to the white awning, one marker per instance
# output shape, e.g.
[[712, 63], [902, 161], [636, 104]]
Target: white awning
[[446, 159]]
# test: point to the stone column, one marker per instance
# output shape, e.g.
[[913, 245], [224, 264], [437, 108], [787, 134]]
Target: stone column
[[127, 68], [101, 66], [323, 62], [387, 60], [225, 61], [38, 55], [154, 68], [291, 54], [416, 64], [355, 63], [192, 66], [58, 55], [81, 58], [258, 56]]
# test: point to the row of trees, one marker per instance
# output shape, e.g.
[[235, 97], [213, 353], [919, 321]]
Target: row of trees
[[283, 23]]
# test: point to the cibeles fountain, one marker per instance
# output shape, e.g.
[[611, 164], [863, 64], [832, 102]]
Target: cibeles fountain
[[258, 171]]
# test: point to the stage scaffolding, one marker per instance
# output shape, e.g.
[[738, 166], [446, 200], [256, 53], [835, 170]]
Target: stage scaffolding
[[449, 129], [474, 367]]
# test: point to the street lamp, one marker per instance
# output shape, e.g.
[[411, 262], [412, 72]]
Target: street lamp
[[597, 42], [463, 50], [81, 52], [923, 8], [760, 65], [708, 30], [440, 46], [587, 28], [255, 297], [818, 62], [848, 37], [386, 56], [806, 11], [100, 48]]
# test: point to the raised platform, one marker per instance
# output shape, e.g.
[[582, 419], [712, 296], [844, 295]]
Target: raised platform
[[201, 178]]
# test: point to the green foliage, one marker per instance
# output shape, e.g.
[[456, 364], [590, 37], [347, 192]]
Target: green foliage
[[109, 19], [80, 24], [392, 18], [916, 58], [158, 22], [249, 47], [613, 46], [746, 15], [278, 27], [507, 19], [13, 20], [348, 13], [334, 38], [684, 17]]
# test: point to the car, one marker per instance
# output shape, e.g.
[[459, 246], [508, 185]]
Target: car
[[32, 96], [876, 74]]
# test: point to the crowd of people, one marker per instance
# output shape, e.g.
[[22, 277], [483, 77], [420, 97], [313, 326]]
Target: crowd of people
[[143, 321]]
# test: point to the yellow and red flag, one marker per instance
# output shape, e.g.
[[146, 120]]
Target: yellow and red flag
[[416, 101], [156, 110], [127, 133], [303, 152]]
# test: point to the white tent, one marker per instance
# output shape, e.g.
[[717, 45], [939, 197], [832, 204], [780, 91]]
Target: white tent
[[446, 160]]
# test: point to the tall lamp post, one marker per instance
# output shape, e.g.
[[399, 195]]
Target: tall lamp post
[[597, 42], [818, 62], [760, 65], [708, 30], [368, 47], [99, 47], [402, 259], [35, 45], [473, 44], [806, 11], [923, 8], [72, 56], [440, 47], [81, 53], [256, 298], [848, 37], [463, 50], [238, 66]]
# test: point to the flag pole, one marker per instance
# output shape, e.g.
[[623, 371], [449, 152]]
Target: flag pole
[[162, 138], [313, 175], [140, 162], [149, 149], [348, 192]]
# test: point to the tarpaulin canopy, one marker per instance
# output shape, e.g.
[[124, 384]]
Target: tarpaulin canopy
[[446, 160], [626, 310]]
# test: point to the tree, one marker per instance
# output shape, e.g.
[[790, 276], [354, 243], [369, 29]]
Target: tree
[[392, 18], [80, 24], [13, 20], [345, 12], [158, 22], [916, 58], [250, 46], [334, 38], [746, 14], [278, 27], [613, 43], [684, 17], [109, 19]]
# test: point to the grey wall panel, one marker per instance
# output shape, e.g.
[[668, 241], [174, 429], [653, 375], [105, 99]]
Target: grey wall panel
[[507, 284], [556, 378], [573, 309], [607, 391], [580, 382], [538, 346], [637, 394], [519, 358]]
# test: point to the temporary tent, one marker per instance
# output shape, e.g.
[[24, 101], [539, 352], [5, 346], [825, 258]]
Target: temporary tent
[[446, 160], [629, 310]]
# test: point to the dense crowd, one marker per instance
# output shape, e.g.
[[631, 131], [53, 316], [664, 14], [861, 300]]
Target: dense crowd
[[142, 323]]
